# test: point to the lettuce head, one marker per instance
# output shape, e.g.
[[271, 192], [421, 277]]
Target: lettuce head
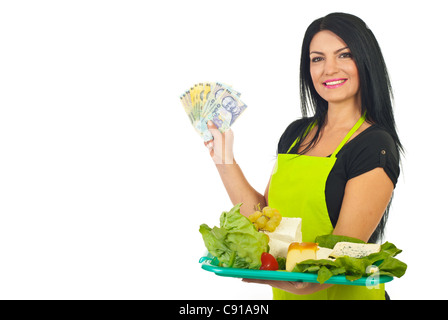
[[236, 243]]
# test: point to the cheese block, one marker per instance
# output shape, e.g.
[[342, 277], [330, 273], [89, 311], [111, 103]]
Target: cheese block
[[323, 253], [278, 248], [298, 252], [354, 250], [289, 230]]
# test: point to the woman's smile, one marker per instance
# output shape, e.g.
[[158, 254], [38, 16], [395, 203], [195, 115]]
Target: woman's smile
[[334, 83]]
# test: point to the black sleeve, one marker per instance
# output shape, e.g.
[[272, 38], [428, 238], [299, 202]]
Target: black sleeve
[[291, 134], [377, 149]]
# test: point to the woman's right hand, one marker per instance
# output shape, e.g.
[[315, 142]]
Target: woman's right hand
[[221, 147]]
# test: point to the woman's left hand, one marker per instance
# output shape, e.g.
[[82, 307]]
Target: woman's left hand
[[291, 286]]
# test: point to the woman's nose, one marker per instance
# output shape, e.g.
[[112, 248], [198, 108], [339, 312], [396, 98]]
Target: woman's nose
[[331, 66]]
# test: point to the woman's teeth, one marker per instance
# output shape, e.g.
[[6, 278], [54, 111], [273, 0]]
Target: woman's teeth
[[332, 83]]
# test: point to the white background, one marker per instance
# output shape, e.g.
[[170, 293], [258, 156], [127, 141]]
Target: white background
[[103, 182]]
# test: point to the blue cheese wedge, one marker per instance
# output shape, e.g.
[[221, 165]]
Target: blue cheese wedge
[[354, 250]]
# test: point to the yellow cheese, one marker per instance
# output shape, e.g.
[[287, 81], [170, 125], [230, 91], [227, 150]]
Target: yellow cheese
[[298, 252]]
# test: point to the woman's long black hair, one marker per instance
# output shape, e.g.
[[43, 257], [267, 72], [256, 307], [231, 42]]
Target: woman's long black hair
[[375, 86]]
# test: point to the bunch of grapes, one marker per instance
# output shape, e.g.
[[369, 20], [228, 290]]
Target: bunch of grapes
[[267, 219]]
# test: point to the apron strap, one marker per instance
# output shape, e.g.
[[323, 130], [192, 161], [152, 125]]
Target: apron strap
[[349, 134], [310, 126]]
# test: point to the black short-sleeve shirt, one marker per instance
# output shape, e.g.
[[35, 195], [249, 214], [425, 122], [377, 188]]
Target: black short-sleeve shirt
[[372, 148]]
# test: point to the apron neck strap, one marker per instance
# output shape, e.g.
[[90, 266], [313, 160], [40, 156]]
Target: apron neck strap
[[349, 134], [308, 129]]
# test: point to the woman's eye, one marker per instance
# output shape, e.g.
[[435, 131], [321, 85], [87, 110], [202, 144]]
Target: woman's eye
[[316, 59], [346, 55]]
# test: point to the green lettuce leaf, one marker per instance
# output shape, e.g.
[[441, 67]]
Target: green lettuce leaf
[[354, 268], [237, 243], [390, 248], [281, 263], [324, 268], [324, 274], [393, 266]]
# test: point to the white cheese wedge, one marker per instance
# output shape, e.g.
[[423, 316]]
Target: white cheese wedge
[[278, 248], [289, 230], [323, 253], [354, 250]]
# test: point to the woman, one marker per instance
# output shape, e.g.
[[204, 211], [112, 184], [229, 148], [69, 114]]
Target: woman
[[338, 168]]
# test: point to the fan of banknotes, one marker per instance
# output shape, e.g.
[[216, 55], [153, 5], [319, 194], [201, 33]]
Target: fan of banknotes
[[213, 101]]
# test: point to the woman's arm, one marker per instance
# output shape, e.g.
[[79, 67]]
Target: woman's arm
[[236, 184], [365, 200], [239, 189]]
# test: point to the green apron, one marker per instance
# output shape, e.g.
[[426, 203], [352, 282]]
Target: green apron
[[297, 189]]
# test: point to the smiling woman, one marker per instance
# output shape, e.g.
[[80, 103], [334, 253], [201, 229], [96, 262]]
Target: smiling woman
[[336, 169], [344, 83]]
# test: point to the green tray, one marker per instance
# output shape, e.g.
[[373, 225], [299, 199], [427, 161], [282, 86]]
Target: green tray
[[210, 263]]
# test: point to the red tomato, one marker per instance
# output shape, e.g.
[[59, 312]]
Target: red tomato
[[268, 262]]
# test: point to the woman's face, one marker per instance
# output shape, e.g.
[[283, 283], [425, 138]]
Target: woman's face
[[333, 70]]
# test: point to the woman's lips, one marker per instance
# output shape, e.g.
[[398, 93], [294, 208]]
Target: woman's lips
[[334, 83]]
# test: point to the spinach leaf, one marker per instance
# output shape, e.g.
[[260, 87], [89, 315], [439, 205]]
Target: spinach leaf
[[393, 266], [330, 240]]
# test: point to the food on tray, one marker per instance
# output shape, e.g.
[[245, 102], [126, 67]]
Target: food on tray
[[353, 268], [329, 241], [298, 252], [281, 231], [372, 269], [324, 253], [268, 262], [289, 230], [267, 219], [236, 243], [278, 248], [354, 250], [251, 243]]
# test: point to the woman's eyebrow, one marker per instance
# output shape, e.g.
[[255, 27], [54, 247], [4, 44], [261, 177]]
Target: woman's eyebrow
[[337, 51]]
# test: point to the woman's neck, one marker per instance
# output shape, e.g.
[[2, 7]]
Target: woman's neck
[[342, 116]]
